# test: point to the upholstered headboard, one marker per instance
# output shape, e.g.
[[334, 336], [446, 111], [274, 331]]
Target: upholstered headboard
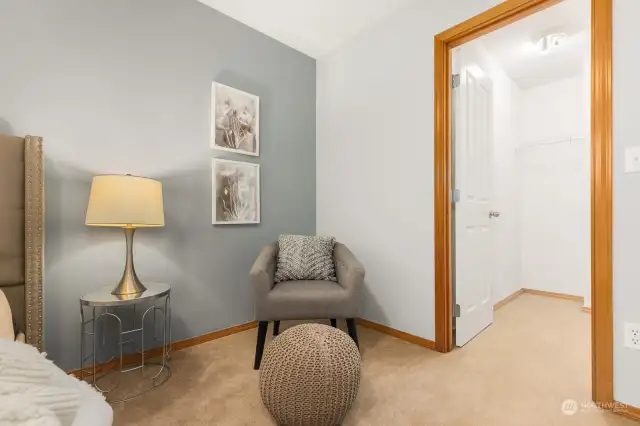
[[22, 231]]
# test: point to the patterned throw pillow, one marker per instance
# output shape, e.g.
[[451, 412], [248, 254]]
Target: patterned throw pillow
[[305, 258]]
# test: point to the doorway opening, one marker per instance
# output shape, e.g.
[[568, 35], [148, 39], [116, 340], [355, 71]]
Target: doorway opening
[[447, 129], [521, 175]]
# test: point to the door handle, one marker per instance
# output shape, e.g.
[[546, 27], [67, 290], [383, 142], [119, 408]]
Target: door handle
[[493, 214]]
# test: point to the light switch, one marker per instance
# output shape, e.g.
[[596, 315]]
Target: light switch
[[632, 159]]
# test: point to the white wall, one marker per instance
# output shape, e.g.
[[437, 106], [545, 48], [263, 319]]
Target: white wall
[[375, 158], [555, 188], [375, 166], [626, 197]]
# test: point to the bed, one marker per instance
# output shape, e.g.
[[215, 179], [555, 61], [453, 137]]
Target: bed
[[21, 232], [22, 259]]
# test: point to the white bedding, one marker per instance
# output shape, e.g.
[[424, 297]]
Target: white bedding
[[24, 371], [92, 411]]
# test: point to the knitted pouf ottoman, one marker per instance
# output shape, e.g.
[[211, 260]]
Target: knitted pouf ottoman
[[310, 376]]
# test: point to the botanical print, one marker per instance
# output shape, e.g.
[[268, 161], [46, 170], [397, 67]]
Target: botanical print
[[236, 192], [235, 120]]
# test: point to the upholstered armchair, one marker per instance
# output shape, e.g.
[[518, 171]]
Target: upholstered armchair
[[302, 300]]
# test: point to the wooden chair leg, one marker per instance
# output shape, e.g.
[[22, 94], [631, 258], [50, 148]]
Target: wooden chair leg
[[334, 323], [351, 326], [262, 336], [276, 328]]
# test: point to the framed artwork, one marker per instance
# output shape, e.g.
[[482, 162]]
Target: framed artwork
[[235, 121], [236, 192]]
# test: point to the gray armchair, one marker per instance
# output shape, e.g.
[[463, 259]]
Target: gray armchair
[[300, 300]]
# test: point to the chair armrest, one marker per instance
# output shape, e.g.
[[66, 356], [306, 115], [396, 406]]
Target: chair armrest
[[349, 270], [263, 271]]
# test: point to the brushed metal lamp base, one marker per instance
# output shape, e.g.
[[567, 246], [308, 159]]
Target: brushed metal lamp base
[[129, 283]]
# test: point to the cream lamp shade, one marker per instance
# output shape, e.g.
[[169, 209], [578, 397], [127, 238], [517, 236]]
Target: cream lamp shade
[[125, 201]]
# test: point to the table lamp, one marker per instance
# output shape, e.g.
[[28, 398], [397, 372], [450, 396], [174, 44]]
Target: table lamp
[[127, 202]]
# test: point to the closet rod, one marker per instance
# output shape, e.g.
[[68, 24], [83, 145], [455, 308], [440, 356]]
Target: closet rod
[[551, 142]]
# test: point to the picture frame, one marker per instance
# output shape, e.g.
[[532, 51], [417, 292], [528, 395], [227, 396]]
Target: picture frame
[[235, 192], [235, 120]]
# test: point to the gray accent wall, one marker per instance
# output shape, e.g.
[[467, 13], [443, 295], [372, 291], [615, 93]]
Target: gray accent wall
[[122, 86]]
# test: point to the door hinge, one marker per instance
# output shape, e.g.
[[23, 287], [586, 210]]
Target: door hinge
[[456, 310], [455, 81], [455, 195]]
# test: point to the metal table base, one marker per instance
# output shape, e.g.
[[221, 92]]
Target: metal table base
[[105, 311]]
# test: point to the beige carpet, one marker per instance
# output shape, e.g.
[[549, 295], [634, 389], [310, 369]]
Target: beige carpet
[[517, 372]]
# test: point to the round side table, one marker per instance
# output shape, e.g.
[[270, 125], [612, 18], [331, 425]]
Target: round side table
[[135, 318]]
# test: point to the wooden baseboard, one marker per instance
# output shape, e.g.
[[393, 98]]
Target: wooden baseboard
[[552, 294], [397, 333], [507, 299], [510, 298], [175, 346], [626, 410], [193, 341]]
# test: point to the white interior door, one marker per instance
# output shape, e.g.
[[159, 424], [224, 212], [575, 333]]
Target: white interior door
[[473, 141]]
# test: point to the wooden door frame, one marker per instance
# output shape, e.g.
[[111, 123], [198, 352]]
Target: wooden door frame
[[601, 176]]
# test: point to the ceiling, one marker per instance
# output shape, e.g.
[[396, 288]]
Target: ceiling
[[314, 27], [514, 48]]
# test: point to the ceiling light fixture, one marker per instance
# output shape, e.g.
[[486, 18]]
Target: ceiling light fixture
[[549, 42]]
